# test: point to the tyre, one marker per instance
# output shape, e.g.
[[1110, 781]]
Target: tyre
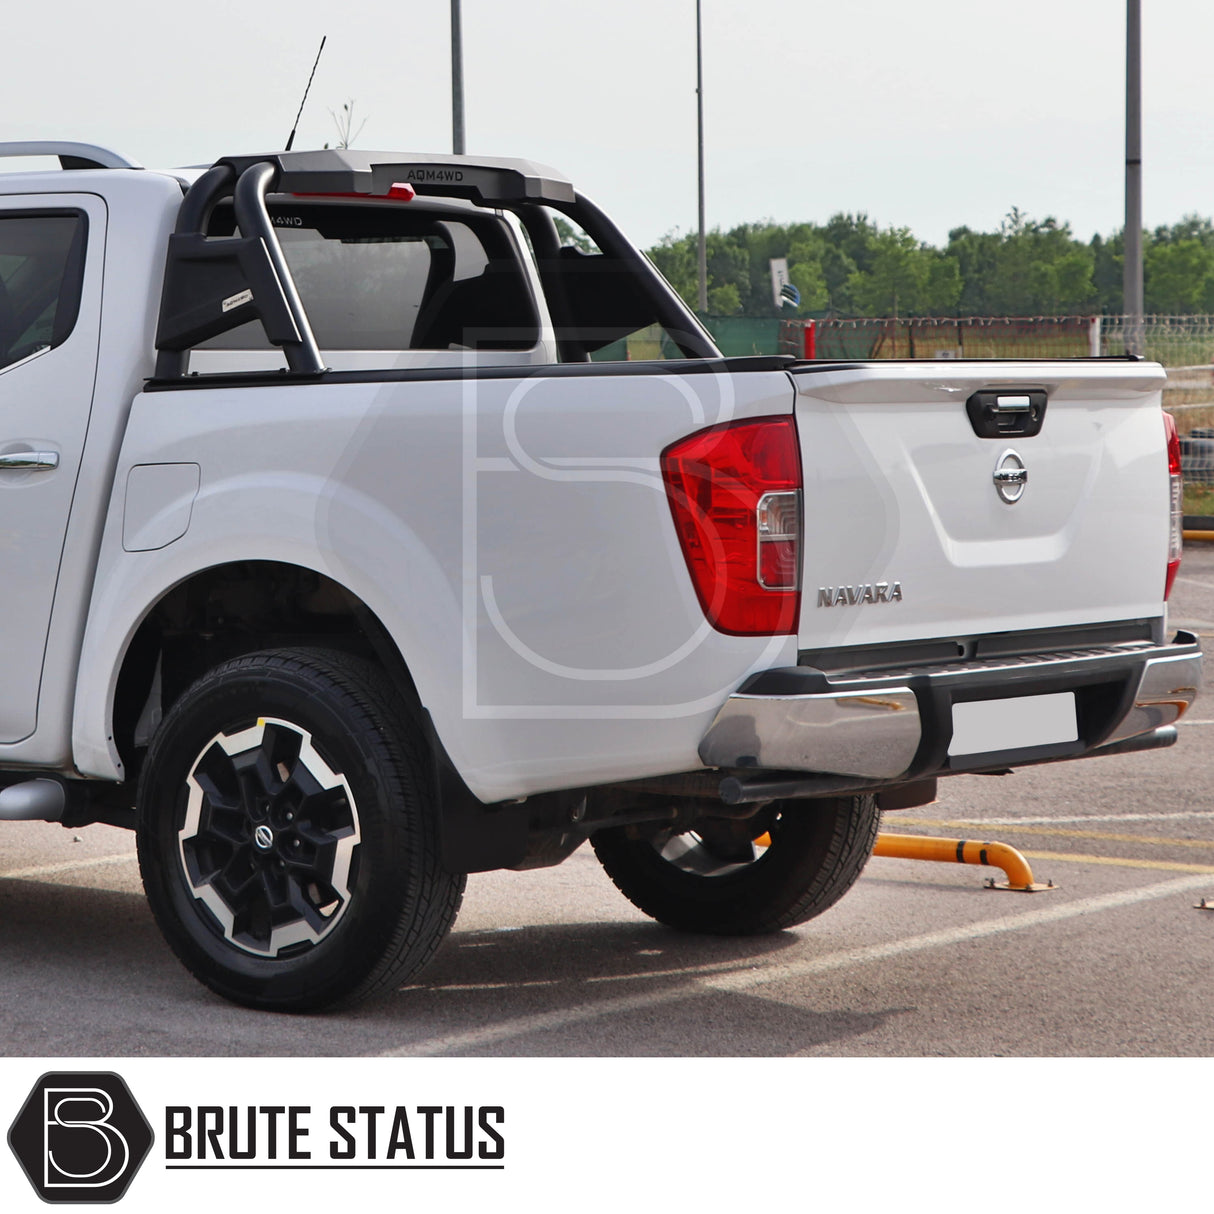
[[789, 863], [288, 836]]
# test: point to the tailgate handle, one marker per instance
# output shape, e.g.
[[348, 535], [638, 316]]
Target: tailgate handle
[[1007, 413]]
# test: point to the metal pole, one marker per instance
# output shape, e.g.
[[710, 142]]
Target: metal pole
[[702, 250], [1132, 281], [457, 81]]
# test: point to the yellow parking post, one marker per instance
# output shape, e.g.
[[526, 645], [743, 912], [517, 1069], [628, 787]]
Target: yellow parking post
[[964, 851]]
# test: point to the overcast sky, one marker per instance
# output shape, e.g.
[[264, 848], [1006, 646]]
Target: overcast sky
[[931, 115]]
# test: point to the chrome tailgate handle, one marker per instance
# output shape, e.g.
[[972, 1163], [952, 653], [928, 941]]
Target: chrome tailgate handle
[[38, 461]]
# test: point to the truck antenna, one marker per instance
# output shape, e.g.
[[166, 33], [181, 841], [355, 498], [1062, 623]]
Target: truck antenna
[[307, 88]]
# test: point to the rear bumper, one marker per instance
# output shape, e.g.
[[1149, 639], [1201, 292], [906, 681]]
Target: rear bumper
[[898, 725]]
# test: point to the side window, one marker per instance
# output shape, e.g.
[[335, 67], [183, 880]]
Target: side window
[[391, 278], [41, 269]]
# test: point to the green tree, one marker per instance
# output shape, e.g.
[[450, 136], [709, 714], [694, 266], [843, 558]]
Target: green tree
[[724, 301], [944, 284], [573, 237], [904, 277], [1029, 267], [1038, 268], [807, 277], [1107, 277], [1178, 276], [675, 257]]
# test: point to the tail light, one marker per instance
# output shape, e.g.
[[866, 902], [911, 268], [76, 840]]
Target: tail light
[[735, 493], [1176, 529]]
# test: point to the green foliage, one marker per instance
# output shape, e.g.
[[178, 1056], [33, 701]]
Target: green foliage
[[1029, 267], [904, 277], [675, 256], [572, 236], [724, 301]]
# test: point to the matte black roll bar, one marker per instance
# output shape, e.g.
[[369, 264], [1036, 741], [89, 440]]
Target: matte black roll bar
[[213, 284], [670, 311], [252, 218]]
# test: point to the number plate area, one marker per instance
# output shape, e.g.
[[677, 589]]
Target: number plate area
[[983, 726]]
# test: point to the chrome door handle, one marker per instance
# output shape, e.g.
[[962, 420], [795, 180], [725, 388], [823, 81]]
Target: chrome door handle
[[38, 461]]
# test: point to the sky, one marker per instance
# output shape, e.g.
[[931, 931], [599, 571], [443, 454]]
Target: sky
[[929, 115]]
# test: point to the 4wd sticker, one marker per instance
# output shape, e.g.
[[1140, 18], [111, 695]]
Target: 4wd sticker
[[435, 175]]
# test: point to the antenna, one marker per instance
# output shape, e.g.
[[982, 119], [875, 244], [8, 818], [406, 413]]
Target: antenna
[[307, 89]]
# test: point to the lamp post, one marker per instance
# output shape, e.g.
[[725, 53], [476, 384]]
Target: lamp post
[[457, 81], [702, 249], [1132, 268]]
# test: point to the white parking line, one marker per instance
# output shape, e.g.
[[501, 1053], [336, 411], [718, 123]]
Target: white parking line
[[750, 975], [65, 866], [956, 935]]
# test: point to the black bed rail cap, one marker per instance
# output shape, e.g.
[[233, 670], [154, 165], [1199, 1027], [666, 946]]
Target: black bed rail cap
[[488, 180]]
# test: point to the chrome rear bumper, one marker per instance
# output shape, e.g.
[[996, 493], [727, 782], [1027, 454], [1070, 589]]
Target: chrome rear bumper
[[898, 725]]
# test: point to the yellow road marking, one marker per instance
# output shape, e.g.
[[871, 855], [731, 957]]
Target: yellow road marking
[[1062, 832]]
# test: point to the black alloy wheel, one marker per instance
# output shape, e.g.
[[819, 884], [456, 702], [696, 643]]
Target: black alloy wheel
[[269, 837], [288, 832]]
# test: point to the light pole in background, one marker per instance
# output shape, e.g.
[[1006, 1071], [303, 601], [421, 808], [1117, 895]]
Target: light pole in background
[[1132, 269], [702, 249], [457, 81]]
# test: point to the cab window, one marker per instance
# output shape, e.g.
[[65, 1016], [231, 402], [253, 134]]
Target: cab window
[[392, 278], [41, 268]]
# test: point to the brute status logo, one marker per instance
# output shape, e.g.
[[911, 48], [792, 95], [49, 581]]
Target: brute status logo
[[80, 1137]]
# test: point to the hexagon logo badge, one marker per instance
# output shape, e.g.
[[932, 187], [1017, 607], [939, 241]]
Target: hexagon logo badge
[[80, 1137]]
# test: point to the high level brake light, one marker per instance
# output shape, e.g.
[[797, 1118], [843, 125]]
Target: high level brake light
[[735, 493], [1176, 529]]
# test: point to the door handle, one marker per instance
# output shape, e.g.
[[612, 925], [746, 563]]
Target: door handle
[[37, 461]]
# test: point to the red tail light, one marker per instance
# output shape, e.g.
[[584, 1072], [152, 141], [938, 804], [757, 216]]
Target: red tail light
[[735, 493], [1176, 529]]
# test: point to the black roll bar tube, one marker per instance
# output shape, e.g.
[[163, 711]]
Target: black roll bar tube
[[196, 207], [252, 218], [200, 200], [671, 312]]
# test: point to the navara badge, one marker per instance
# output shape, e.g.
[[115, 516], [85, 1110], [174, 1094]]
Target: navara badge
[[1010, 477]]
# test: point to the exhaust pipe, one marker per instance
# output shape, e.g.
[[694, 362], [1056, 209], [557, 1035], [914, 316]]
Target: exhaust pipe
[[33, 801]]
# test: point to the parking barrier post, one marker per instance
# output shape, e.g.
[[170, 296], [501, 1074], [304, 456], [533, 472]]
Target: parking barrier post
[[964, 851]]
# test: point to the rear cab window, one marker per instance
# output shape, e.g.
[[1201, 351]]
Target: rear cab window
[[381, 284]]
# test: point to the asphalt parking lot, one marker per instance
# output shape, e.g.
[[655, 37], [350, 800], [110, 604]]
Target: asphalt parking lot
[[920, 959]]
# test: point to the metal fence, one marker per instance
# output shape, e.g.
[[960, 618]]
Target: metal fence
[[1181, 343], [943, 337], [1175, 341]]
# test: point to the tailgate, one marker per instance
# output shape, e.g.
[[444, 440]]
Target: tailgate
[[913, 526]]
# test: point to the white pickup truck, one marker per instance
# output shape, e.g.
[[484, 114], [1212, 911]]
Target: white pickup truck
[[344, 554]]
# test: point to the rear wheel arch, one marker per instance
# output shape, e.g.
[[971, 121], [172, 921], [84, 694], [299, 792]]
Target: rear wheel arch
[[226, 611]]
